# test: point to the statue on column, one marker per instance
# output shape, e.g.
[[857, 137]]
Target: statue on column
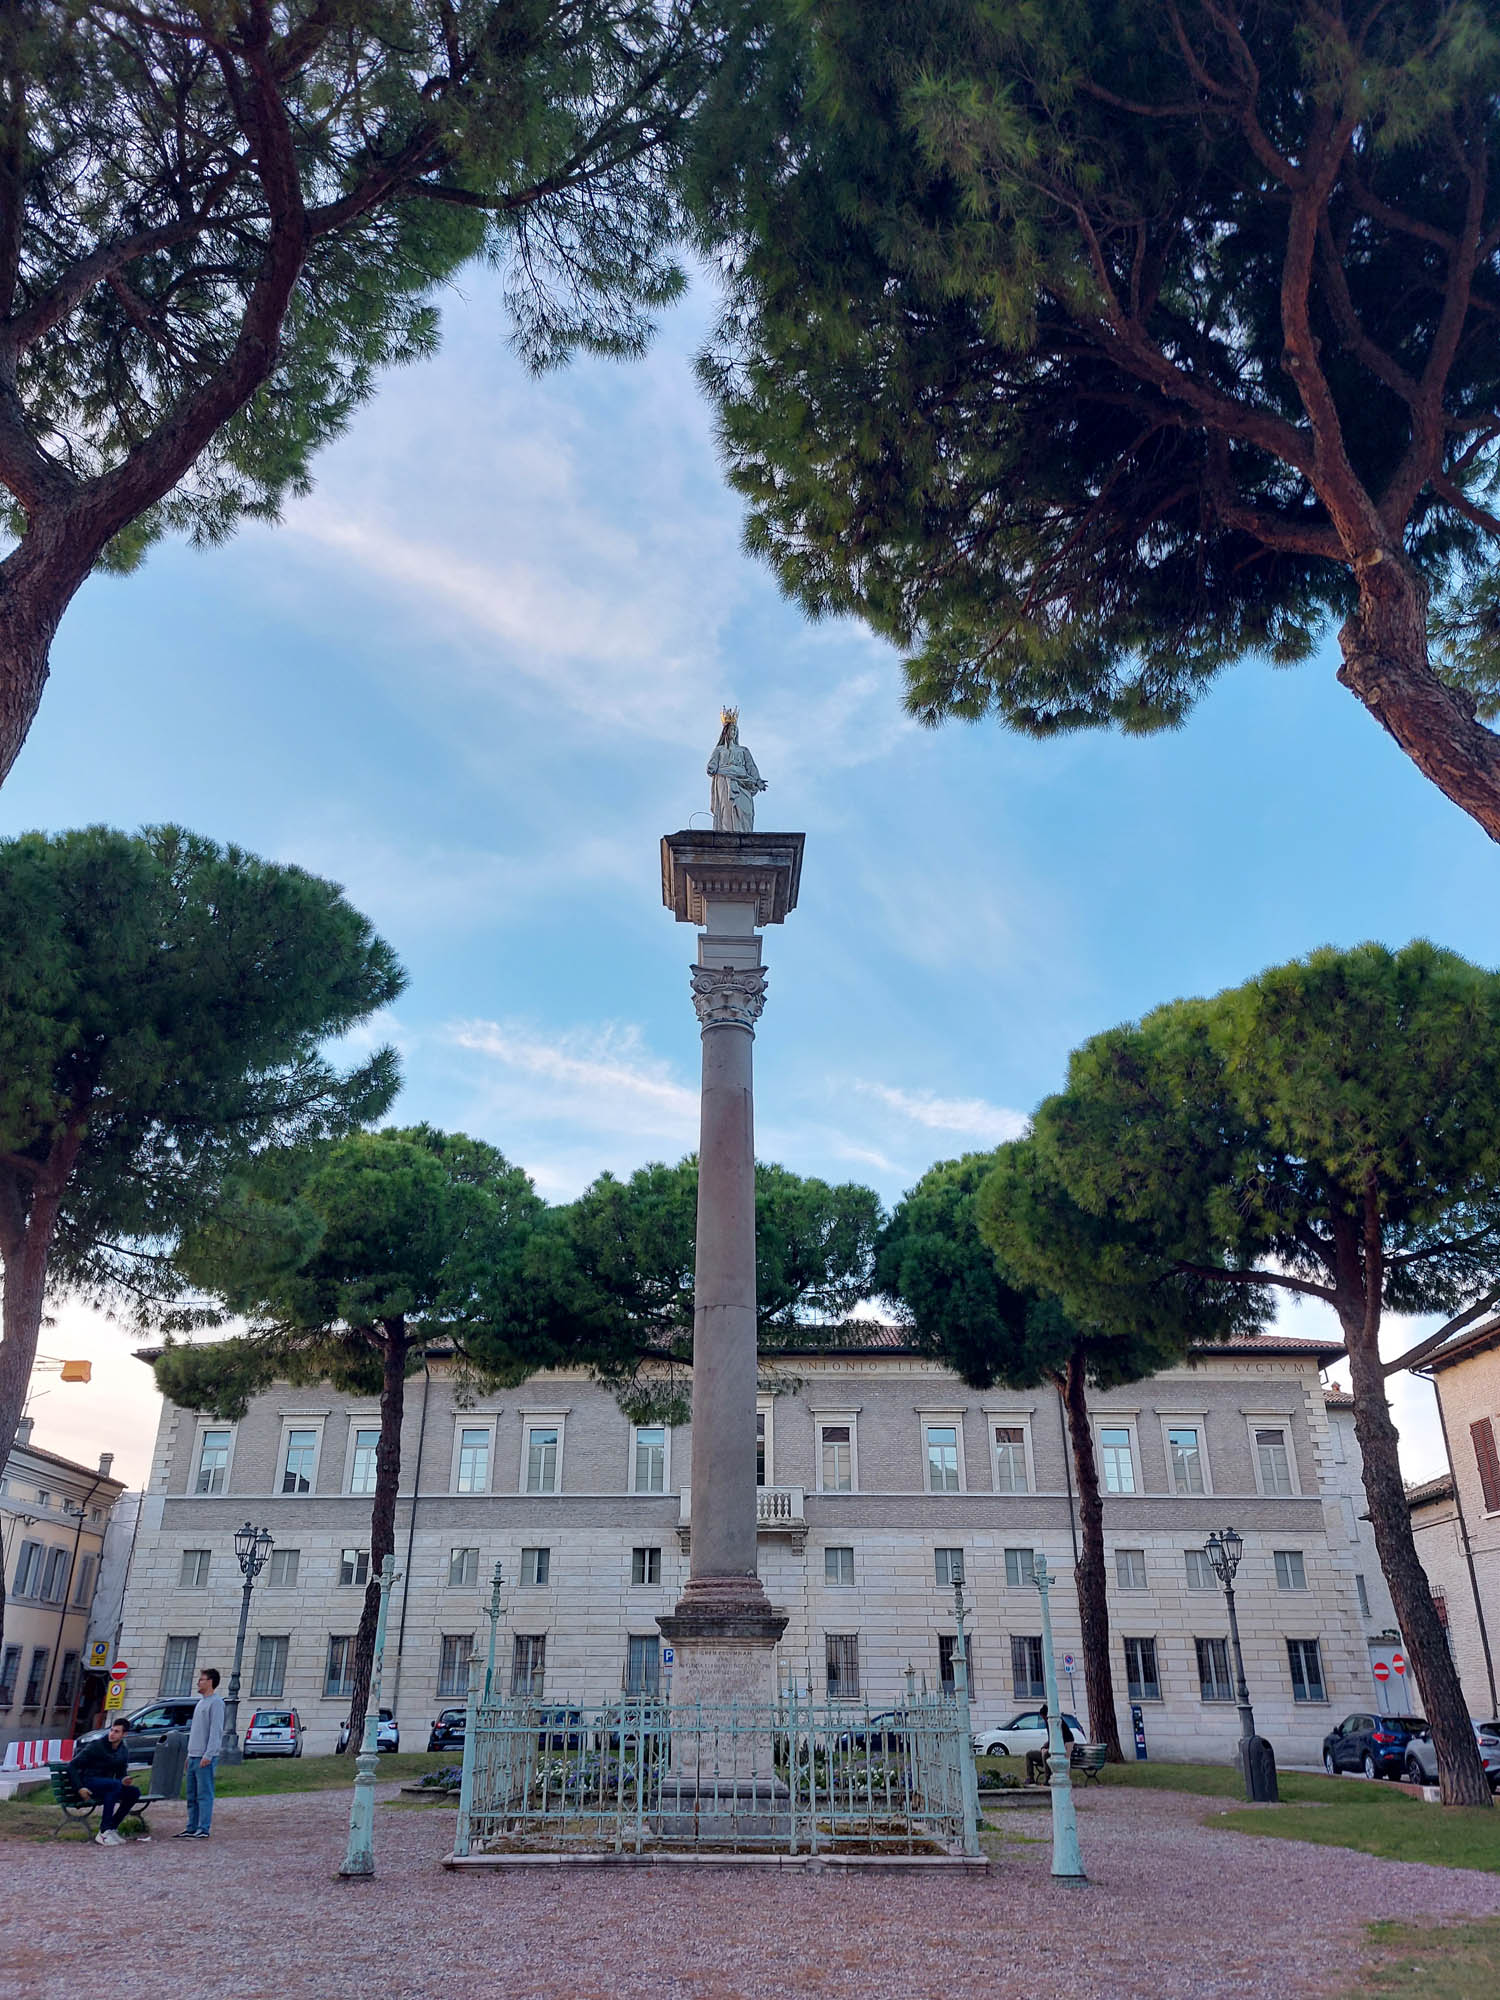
[[736, 780]]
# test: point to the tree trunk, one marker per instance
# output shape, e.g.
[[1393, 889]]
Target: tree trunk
[[1386, 665], [1460, 1770], [23, 1286], [382, 1516], [1093, 1603]]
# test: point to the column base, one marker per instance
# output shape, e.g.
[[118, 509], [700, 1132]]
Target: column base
[[725, 1632]]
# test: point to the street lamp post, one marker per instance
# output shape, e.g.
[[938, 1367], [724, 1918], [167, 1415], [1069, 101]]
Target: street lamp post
[[1067, 1857], [968, 1769], [252, 1548], [1257, 1758]]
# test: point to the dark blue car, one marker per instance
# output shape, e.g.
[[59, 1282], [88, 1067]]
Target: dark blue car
[[1374, 1744]]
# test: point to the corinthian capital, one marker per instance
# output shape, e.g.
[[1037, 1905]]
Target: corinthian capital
[[728, 996]]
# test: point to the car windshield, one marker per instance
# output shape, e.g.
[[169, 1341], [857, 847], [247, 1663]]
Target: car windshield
[[1412, 1723], [1031, 1720], [1488, 1728], [271, 1719]]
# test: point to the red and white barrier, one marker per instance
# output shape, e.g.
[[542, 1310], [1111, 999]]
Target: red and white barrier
[[38, 1753]]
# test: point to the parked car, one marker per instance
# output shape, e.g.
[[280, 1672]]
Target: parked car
[[273, 1732], [1421, 1755], [387, 1735], [886, 1731], [447, 1732], [1374, 1744], [560, 1729], [147, 1727], [1026, 1731]]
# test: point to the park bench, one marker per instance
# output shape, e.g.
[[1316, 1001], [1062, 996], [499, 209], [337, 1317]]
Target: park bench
[[76, 1809], [1089, 1759]]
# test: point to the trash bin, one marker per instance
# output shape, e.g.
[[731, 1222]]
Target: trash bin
[[168, 1765]]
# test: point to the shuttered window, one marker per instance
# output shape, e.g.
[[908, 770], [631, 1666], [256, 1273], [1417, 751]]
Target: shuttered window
[[1483, 1434]]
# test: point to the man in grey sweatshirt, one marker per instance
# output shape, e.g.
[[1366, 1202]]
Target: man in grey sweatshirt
[[205, 1738]]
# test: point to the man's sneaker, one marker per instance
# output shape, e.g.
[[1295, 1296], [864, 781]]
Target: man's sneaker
[[110, 1839], [187, 1833], [202, 1834]]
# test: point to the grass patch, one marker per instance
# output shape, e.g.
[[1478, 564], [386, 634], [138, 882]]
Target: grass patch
[[1441, 1962]]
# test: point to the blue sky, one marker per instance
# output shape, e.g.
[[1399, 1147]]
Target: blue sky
[[476, 675]]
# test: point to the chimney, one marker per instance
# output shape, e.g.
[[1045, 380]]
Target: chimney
[[106, 1460], [23, 1432]]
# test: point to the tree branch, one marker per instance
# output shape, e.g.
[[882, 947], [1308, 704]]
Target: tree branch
[[1281, 1279], [1414, 1355]]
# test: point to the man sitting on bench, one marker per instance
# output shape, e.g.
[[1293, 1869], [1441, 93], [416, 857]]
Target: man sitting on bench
[[100, 1768], [1036, 1760]]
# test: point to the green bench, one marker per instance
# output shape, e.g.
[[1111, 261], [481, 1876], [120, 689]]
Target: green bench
[[76, 1809]]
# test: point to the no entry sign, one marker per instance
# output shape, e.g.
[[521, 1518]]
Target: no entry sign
[[118, 1671], [1381, 1672], [1398, 1665]]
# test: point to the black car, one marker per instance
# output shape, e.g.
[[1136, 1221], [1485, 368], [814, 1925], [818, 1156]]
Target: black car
[[448, 1730], [1374, 1744], [147, 1727], [561, 1729]]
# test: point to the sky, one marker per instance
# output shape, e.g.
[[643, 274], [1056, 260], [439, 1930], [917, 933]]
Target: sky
[[476, 675]]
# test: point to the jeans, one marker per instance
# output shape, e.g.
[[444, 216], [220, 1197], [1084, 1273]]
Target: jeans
[[200, 1795], [116, 1797]]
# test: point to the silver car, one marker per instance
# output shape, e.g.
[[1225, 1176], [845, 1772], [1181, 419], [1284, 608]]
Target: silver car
[[1421, 1756], [274, 1732]]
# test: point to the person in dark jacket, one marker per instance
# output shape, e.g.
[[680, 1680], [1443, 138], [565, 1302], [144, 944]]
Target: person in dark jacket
[[1036, 1760], [100, 1769]]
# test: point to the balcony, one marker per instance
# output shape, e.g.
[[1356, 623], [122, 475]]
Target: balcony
[[779, 1510]]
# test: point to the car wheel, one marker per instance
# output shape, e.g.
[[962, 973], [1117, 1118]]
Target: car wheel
[[1328, 1764], [1370, 1770], [1414, 1772]]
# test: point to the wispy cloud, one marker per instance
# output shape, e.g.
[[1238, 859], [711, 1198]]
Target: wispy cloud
[[610, 1062], [970, 1117]]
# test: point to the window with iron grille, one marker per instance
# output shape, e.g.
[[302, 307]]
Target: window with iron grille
[[947, 1567], [947, 1649], [528, 1663], [180, 1664], [1010, 1459], [362, 1464], [354, 1567], [1305, 1660], [194, 1572], [10, 1668], [651, 1460], [453, 1663], [1130, 1569], [1213, 1669], [1027, 1675], [838, 1567], [213, 1462], [36, 1675], [298, 1465], [268, 1676], [643, 1664], [67, 1682], [1020, 1567], [284, 1567], [463, 1568], [842, 1656], [536, 1566], [1200, 1571], [645, 1566], [338, 1675], [942, 1458], [1291, 1571], [1141, 1681]]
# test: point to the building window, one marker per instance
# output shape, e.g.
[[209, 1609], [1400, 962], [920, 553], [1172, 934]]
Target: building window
[[528, 1663], [942, 1458], [1306, 1664], [947, 1567], [463, 1569], [83, 1590], [180, 1667], [362, 1461], [44, 1498], [1130, 1569], [1027, 1680], [642, 1664], [1362, 1592], [299, 1461], [55, 1579], [283, 1571], [650, 1465], [354, 1568], [1020, 1567], [1185, 1458], [1141, 1682], [841, 1652], [645, 1566], [1213, 1669], [338, 1675], [10, 1668], [194, 1572], [536, 1565], [1274, 1464], [213, 1462], [760, 1447], [268, 1676], [947, 1648], [838, 1567], [541, 1458], [1291, 1573], [1200, 1571], [36, 1675], [473, 1460], [1487, 1458], [1118, 1460], [453, 1664], [67, 1682], [28, 1580], [1010, 1459], [836, 1458]]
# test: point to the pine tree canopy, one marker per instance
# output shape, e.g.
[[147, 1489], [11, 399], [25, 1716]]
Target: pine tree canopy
[[1085, 348]]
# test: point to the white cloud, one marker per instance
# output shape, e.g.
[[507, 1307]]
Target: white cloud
[[970, 1117]]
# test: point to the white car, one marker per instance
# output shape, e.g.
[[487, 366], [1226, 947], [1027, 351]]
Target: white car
[[387, 1735], [1023, 1732]]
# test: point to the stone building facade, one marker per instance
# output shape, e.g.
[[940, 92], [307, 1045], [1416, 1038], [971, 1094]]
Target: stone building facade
[[1456, 1518], [879, 1471]]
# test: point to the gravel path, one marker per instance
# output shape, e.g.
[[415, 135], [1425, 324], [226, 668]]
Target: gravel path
[[1172, 1910]]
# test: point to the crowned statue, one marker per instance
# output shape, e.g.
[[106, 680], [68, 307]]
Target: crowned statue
[[736, 780]]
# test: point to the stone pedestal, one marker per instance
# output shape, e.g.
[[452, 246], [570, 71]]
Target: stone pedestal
[[724, 1628]]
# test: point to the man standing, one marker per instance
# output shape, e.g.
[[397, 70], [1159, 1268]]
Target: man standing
[[100, 1768], [204, 1739]]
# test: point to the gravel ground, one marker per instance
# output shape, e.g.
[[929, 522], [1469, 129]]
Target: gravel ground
[[1171, 1910]]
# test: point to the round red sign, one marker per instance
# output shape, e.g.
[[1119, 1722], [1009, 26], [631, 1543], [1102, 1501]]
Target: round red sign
[[118, 1671], [1398, 1665], [1381, 1671]]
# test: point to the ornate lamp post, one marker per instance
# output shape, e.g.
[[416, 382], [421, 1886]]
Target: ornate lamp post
[[1067, 1857], [1257, 1759], [252, 1548], [968, 1769], [359, 1854]]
